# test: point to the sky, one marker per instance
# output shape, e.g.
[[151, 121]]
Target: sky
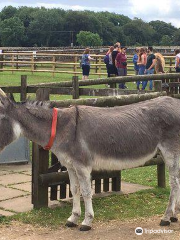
[[148, 10]]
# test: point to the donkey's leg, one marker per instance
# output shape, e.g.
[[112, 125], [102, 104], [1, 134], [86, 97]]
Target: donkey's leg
[[84, 176], [75, 190], [174, 218], [172, 161]]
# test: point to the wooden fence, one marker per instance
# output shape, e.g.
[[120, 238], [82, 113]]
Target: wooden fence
[[61, 63], [54, 176]]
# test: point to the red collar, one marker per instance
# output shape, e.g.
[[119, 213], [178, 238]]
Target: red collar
[[53, 130]]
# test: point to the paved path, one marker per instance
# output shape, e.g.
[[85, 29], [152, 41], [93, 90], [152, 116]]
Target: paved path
[[15, 189]]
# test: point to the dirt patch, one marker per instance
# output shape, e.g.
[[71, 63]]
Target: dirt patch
[[111, 230]]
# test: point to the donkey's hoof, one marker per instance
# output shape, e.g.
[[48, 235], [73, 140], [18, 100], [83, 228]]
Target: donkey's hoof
[[84, 228], [70, 224], [164, 223], [174, 219]]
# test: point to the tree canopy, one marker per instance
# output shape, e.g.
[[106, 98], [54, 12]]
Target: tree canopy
[[85, 38], [27, 26]]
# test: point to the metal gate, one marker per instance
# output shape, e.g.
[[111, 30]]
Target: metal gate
[[16, 152]]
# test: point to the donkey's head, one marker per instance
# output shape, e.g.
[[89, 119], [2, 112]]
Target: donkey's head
[[7, 124]]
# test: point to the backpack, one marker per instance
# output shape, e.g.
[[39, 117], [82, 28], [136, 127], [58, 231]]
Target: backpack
[[106, 59]]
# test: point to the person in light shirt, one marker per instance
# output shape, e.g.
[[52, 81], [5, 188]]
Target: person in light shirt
[[177, 60]]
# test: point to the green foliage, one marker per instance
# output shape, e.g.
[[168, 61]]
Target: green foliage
[[138, 31], [12, 32], [177, 38], [41, 29], [8, 12], [161, 29], [57, 27], [85, 38], [166, 41]]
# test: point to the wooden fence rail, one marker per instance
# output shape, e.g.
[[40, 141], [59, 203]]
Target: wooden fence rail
[[120, 79], [75, 87], [61, 63]]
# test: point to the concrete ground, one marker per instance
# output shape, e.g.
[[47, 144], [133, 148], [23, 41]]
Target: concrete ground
[[15, 189]]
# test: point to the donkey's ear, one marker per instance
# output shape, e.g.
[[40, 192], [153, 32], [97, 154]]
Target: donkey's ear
[[3, 97], [2, 94]]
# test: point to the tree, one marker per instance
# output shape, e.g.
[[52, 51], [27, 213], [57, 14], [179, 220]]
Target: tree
[[177, 38], [161, 29], [8, 12], [58, 27], [12, 32], [45, 24], [85, 38], [138, 32], [166, 41]]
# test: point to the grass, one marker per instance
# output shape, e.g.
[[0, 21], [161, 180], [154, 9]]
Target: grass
[[145, 203], [9, 79], [141, 204], [144, 175]]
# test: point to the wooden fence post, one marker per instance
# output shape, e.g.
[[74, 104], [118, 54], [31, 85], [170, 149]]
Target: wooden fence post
[[53, 195], [23, 95], [100, 68], [17, 62], [54, 64], [116, 181], [157, 85], [112, 85], [32, 63], [161, 174], [75, 65], [12, 60], [1, 59], [75, 86], [170, 63], [96, 68], [40, 164]]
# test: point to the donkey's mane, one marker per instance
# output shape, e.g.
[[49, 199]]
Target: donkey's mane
[[35, 103]]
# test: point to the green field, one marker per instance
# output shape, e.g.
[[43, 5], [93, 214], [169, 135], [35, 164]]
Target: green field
[[14, 79]]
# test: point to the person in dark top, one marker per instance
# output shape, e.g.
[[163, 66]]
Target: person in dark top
[[114, 54], [151, 61], [108, 61], [121, 64]]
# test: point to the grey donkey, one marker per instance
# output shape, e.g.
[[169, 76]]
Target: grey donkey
[[92, 138]]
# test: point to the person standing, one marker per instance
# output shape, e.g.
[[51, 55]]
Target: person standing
[[177, 60], [114, 54], [142, 60], [151, 61], [108, 61], [85, 61], [121, 64], [135, 60]]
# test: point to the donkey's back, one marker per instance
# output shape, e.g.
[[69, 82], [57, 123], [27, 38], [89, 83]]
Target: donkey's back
[[128, 136]]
